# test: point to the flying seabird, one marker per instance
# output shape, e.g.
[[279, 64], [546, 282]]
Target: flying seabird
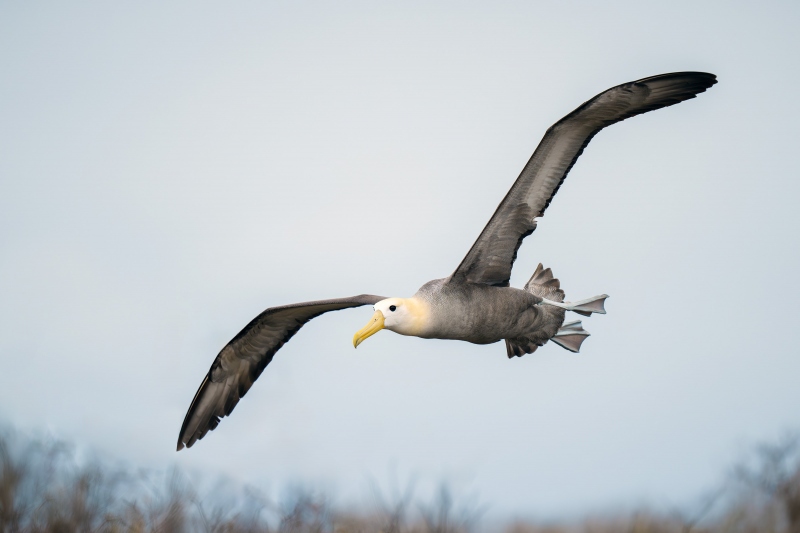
[[475, 303]]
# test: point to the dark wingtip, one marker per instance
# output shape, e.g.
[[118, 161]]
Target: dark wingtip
[[699, 77], [679, 86]]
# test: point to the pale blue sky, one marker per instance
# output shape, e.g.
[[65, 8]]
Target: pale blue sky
[[170, 169]]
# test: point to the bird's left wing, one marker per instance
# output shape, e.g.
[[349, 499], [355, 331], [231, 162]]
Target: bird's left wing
[[240, 363], [490, 259]]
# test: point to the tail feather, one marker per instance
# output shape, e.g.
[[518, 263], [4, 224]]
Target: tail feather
[[519, 347], [570, 335], [544, 285]]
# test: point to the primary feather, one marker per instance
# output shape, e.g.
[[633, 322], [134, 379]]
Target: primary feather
[[243, 359], [490, 259]]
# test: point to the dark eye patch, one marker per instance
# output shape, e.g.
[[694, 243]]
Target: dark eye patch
[[393, 308]]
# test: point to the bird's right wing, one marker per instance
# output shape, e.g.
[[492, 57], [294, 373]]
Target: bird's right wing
[[240, 363], [490, 259]]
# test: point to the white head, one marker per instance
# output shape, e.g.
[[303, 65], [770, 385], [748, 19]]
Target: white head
[[406, 316]]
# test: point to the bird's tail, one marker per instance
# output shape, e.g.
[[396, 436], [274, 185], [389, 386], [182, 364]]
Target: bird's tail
[[570, 335], [544, 285]]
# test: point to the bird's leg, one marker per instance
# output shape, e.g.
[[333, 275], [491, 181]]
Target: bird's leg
[[582, 307], [570, 336]]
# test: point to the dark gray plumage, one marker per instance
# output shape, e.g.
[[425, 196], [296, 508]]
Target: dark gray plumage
[[243, 359], [490, 259], [475, 303]]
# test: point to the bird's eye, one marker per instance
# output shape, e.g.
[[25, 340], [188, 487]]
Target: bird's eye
[[392, 308]]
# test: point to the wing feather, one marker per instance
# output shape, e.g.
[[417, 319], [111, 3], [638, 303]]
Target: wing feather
[[490, 259], [242, 360]]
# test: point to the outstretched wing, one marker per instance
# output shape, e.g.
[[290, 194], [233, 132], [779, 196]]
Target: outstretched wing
[[490, 259], [240, 363]]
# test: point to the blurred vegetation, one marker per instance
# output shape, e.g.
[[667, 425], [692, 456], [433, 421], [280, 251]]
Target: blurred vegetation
[[45, 487]]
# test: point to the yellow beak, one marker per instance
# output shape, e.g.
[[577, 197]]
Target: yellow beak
[[374, 325]]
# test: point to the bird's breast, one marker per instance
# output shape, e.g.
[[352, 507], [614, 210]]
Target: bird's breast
[[478, 313]]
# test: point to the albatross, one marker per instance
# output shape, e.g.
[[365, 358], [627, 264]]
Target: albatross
[[475, 303]]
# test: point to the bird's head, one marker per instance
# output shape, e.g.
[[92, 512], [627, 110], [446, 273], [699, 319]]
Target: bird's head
[[406, 316]]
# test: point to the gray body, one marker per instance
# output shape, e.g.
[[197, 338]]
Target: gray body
[[475, 303], [484, 314], [481, 314]]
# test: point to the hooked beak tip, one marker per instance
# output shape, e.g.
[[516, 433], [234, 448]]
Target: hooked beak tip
[[373, 326]]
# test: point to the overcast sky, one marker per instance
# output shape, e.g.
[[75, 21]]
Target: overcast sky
[[169, 169]]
